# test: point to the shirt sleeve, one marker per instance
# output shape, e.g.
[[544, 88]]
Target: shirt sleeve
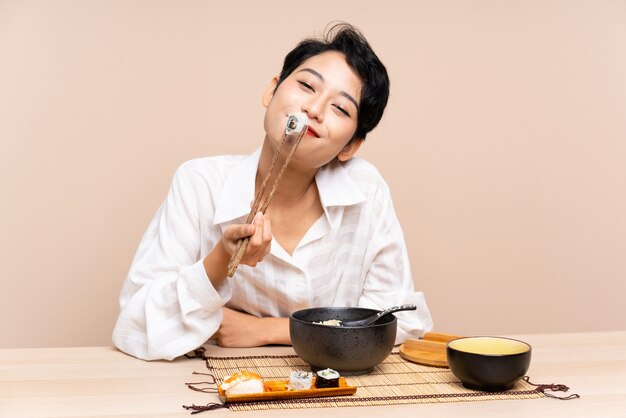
[[388, 280], [168, 306]]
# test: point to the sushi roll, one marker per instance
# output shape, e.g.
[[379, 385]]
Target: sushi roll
[[296, 123], [327, 378], [300, 380]]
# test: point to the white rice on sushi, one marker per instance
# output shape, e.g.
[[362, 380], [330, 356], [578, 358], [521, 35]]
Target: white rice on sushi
[[300, 380], [243, 382], [296, 122]]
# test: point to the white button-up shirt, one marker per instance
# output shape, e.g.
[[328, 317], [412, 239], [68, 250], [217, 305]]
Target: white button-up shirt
[[353, 255]]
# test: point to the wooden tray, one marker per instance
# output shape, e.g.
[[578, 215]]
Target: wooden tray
[[277, 389], [430, 351]]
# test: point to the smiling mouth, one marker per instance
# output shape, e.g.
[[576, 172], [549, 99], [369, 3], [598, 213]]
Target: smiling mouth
[[310, 131]]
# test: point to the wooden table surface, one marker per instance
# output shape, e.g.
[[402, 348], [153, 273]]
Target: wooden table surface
[[103, 382]]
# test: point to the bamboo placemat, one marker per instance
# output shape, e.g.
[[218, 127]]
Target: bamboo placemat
[[393, 382]]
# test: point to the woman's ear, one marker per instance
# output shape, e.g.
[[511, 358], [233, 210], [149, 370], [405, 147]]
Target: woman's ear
[[349, 150], [269, 91]]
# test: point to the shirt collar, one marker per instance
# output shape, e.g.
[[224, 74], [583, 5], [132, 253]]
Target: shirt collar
[[334, 184], [336, 187]]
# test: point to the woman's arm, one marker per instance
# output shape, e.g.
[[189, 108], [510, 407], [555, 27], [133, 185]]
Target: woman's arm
[[168, 306], [388, 281], [172, 299], [240, 329]]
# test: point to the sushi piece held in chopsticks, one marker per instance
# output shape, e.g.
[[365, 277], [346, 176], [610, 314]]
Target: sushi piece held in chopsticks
[[327, 378], [296, 122]]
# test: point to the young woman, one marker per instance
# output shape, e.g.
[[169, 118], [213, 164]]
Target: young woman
[[329, 238]]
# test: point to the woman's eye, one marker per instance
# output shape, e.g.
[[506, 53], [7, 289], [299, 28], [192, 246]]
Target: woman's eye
[[342, 110], [306, 85]]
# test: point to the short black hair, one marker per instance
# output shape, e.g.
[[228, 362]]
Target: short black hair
[[345, 38]]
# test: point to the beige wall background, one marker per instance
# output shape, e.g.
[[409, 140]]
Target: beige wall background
[[503, 143]]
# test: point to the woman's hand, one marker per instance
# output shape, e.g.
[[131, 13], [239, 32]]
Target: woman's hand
[[243, 330], [260, 233]]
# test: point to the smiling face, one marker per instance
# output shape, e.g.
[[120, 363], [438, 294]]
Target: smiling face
[[327, 90]]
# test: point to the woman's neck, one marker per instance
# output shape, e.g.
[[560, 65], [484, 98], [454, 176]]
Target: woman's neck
[[295, 184]]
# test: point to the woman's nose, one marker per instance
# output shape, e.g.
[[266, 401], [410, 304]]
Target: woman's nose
[[314, 108]]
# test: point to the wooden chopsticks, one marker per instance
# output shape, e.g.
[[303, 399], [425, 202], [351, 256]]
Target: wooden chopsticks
[[261, 200]]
